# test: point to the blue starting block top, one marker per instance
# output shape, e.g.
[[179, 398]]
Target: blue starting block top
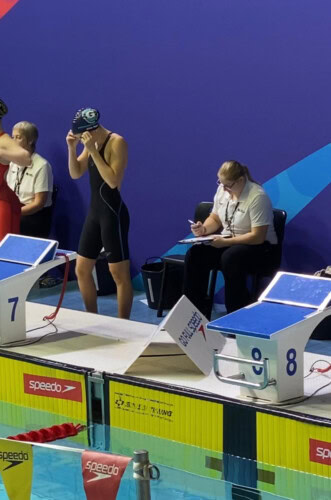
[[262, 320], [9, 269], [289, 299]]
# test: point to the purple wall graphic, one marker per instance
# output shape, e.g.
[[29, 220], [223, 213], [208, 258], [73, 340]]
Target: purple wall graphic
[[190, 84]]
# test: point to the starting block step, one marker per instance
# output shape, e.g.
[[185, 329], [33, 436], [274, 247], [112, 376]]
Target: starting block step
[[261, 320], [9, 269]]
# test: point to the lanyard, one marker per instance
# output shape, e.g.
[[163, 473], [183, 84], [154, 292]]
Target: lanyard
[[229, 221], [19, 179]]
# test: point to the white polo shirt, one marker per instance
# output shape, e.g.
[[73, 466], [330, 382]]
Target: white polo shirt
[[252, 209], [26, 182]]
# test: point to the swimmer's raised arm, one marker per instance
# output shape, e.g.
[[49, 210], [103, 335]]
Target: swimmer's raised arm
[[77, 165]]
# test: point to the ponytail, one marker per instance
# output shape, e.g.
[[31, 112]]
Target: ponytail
[[248, 174], [232, 170]]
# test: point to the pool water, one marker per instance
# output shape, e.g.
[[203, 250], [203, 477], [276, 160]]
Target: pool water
[[57, 469]]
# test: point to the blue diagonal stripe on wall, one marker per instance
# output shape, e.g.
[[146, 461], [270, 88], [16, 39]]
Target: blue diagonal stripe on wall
[[291, 190], [298, 185]]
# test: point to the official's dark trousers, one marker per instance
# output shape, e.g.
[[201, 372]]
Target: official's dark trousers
[[38, 224], [235, 262]]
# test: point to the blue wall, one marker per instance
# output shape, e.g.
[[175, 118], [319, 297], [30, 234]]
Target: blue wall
[[190, 84]]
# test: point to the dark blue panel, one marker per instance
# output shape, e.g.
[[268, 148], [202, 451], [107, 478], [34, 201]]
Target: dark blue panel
[[300, 289], [262, 320], [8, 269]]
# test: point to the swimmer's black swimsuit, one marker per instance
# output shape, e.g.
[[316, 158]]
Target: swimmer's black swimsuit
[[107, 222]]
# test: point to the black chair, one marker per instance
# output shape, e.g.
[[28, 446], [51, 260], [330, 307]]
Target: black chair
[[48, 280], [50, 211], [54, 194], [280, 217], [202, 211]]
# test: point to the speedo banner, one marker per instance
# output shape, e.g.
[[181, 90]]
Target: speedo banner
[[102, 474], [16, 465]]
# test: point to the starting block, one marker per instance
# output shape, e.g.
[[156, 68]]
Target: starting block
[[23, 260], [271, 336]]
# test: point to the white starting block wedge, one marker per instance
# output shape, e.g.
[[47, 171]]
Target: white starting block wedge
[[23, 260], [271, 336]]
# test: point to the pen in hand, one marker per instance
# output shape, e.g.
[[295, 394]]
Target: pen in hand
[[194, 224], [197, 228]]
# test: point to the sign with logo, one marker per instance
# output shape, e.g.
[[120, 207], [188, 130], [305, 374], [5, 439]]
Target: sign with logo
[[188, 327], [16, 465], [320, 452], [52, 387], [102, 474]]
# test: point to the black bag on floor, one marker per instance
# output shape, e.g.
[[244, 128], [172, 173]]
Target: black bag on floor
[[322, 330], [152, 278]]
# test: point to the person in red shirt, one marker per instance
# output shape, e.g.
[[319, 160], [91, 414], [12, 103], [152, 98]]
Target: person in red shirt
[[10, 206]]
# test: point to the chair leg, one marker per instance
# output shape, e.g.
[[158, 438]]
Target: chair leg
[[255, 287], [211, 290], [162, 288]]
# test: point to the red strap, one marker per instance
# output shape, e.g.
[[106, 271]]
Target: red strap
[[323, 370], [52, 316], [50, 433]]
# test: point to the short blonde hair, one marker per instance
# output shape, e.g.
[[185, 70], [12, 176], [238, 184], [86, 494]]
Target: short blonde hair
[[29, 131]]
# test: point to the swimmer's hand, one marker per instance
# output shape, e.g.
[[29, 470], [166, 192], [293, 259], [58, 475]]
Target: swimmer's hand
[[72, 140], [88, 142]]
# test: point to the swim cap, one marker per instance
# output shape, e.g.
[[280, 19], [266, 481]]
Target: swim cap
[[3, 109], [85, 119]]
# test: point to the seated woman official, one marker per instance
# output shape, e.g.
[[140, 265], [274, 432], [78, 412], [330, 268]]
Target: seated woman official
[[242, 215], [33, 184]]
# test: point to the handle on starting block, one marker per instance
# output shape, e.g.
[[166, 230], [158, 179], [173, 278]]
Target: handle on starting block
[[240, 378]]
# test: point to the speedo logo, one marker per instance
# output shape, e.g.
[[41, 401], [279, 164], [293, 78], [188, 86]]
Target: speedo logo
[[13, 459], [324, 453], [320, 452], [52, 387], [101, 471]]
